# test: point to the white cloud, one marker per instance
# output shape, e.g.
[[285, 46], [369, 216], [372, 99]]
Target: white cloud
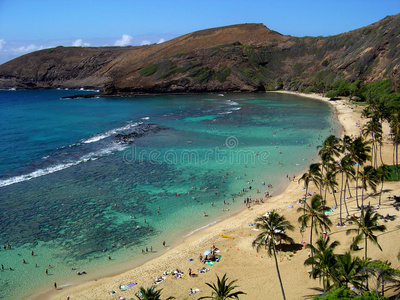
[[125, 41], [26, 49], [145, 42], [80, 43], [161, 41], [2, 43]]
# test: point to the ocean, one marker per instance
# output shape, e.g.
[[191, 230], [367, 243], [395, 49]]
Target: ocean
[[88, 179]]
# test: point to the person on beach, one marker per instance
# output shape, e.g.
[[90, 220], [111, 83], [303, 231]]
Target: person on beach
[[55, 285], [47, 271], [109, 256], [163, 243]]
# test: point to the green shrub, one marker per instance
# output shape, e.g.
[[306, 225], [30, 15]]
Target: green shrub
[[222, 74], [148, 70], [201, 74]]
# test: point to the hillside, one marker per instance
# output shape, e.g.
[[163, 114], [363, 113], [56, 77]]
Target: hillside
[[244, 57]]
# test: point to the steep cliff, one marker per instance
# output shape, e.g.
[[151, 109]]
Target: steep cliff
[[244, 57]]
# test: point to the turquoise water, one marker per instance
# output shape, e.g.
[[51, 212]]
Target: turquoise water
[[73, 195]]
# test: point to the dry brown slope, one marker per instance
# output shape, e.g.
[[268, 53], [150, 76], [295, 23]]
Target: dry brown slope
[[243, 57]]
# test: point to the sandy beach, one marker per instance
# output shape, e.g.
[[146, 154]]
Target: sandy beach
[[254, 271]]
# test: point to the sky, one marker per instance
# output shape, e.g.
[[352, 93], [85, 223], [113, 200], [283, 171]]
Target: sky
[[30, 25]]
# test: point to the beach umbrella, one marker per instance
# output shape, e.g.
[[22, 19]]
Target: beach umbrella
[[207, 252]]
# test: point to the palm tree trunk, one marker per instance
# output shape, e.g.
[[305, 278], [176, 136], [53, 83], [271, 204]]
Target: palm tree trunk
[[365, 242], [312, 224], [344, 200], [362, 198], [279, 274], [393, 154], [397, 159], [334, 196], [340, 205], [348, 187], [358, 168], [380, 194], [372, 153]]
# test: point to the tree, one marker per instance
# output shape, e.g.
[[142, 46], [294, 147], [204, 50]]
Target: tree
[[273, 229], [223, 290], [347, 271], [330, 182], [150, 294], [323, 261], [368, 178], [366, 226], [328, 150], [374, 128], [313, 174], [359, 152], [345, 167], [382, 174], [395, 131], [383, 273], [315, 214]]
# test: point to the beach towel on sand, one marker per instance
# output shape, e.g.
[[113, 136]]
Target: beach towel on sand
[[125, 287]]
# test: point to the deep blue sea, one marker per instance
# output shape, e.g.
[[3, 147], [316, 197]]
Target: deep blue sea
[[73, 194]]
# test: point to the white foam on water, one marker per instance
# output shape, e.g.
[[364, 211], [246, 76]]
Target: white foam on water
[[201, 228], [231, 102], [230, 110], [103, 135], [41, 172]]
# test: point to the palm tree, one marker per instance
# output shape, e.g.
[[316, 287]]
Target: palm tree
[[150, 294], [313, 174], [315, 213], [345, 167], [374, 128], [395, 131], [359, 152], [330, 182], [368, 178], [223, 290], [273, 228], [366, 226], [328, 150], [323, 261], [347, 271], [382, 174], [330, 146]]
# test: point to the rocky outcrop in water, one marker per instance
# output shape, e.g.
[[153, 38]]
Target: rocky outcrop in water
[[142, 129]]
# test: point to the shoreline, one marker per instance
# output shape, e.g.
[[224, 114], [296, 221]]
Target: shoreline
[[51, 294], [200, 240]]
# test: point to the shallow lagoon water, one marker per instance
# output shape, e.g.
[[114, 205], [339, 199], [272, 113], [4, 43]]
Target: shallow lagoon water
[[97, 193]]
